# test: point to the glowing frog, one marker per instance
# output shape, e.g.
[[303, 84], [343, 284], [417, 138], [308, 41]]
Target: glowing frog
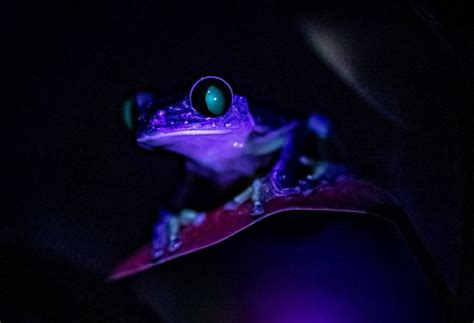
[[225, 141]]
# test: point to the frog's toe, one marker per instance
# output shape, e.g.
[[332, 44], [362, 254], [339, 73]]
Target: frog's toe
[[156, 254], [174, 244], [159, 238], [199, 219], [257, 197], [231, 206], [174, 240], [257, 209], [188, 216], [320, 125], [306, 161], [307, 184], [239, 199], [320, 169]]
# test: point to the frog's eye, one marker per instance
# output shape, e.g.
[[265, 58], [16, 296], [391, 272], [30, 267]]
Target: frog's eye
[[211, 96], [127, 113], [133, 106]]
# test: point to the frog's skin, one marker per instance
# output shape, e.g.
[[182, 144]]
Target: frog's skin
[[225, 148]]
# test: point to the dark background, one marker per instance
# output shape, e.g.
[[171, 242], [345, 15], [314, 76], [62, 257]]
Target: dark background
[[79, 196]]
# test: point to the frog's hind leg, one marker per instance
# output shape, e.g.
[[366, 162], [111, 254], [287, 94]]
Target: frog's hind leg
[[284, 173], [284, 178], [277, 183], [323, 167]]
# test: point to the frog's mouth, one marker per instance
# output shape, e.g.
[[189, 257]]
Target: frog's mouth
[[171, 138]]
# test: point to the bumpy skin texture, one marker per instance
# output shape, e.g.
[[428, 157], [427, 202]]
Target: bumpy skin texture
[[230, 145], [174, 125]]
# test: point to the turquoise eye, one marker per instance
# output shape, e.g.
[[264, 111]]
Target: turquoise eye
[[133, 106], [211, 96], [127, 113], [215, 100]]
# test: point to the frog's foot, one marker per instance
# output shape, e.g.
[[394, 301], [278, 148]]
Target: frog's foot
[[309, 182], [166, 232], [191, 217], [320, 169], [160, 235], [260, 192], [275, 185], [257, 197], [174, 237], [254, 193]]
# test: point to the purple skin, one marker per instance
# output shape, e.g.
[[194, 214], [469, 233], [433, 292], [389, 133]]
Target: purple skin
[[224, 148], [217, 143]]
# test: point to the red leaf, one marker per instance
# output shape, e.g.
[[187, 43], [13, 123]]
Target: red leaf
[[345, 194]]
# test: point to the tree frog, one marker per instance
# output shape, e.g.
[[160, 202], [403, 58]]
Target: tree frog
[[225, 140]]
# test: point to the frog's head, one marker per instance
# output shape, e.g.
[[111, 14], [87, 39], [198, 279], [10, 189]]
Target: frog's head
[[210, 124]]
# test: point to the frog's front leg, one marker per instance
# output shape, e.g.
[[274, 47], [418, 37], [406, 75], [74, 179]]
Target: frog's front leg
[[166, 231], [280, 180], [254, 193]]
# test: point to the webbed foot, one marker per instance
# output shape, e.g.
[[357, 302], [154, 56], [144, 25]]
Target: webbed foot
[[255, 193]]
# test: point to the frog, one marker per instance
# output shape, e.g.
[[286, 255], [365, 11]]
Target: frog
[[223, 140]]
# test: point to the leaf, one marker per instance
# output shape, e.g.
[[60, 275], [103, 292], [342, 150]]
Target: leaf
[[345, 194]]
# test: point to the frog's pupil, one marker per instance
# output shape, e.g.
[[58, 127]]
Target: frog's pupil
[[215, 100]]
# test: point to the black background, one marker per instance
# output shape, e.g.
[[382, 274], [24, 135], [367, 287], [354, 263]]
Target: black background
[[79, 194]]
